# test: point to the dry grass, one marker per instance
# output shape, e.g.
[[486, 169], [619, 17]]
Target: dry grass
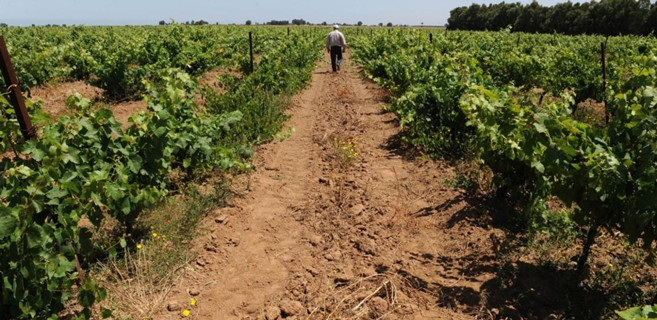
[[354, 301], [138, 279], [133, 289]]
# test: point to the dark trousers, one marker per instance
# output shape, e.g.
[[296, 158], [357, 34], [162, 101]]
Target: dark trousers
[[336, 53]]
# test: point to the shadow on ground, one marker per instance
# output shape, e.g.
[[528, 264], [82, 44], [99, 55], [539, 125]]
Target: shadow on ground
[[519, 289]]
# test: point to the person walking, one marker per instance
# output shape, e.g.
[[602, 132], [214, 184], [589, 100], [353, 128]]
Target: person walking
[[336, 45]]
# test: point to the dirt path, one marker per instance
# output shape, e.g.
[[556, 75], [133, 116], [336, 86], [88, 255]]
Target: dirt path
[[338, 223]]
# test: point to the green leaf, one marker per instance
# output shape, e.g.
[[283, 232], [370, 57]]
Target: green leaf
[[538, 166], [540, 128], [125, 206], [56, 193], [639, 313], [135, 163], [8, 224], [106, 313], [71, 156], [159, 132]]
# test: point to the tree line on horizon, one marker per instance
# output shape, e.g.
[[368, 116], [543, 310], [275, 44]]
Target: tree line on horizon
[[606, 17]]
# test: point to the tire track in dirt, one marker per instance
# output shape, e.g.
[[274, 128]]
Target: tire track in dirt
[[320, 233]]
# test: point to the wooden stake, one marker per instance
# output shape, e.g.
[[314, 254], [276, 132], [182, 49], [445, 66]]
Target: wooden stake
[[14, 92], [251, 49]]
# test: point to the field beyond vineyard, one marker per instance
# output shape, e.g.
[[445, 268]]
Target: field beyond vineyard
[[439, 174]]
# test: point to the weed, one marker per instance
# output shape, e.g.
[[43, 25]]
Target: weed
[[139, 278], [285, 134], [347, 150]]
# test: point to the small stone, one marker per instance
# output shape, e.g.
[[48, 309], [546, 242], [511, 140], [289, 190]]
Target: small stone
[[272, 313], [333, 255], [234, 241], [313, 272], [315, 240], [325, 181], [357, 209], [291, 308], [174, 306], [223, 219], [210, 247], [194, 292]]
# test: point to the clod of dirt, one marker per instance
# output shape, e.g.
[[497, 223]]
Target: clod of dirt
[[272, 313], [234, 241], [315, 240], [378, 307], [343, 278], [291, 308], [367, 246], [333, 255], [313, 272], [201, 262], [222, 219], [325, 181], [174, 306], [194, 292], [357, 209], [210, 247]]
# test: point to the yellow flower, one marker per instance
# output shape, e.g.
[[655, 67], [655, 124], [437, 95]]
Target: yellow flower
[[164, 236], [154, 234], [185, 313], [192, 302], [139, 246]]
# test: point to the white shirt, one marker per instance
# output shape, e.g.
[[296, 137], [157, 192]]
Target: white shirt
[[335, 38]]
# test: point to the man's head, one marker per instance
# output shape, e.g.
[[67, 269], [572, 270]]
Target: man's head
[[336, 27]]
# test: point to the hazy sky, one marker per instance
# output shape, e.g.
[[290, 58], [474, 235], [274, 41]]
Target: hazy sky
[[119, 12]]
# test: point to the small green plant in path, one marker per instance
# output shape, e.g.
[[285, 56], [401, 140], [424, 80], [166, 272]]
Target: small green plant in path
[[347, 150]]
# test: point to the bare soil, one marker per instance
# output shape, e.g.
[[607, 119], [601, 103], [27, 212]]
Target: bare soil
[[54, 98], [324, 232], [54, 95]]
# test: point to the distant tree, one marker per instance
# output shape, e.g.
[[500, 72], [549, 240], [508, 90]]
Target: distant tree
[[279, 22], [248, 22], [298, 22], [324, 23], [532, 18], [162, 22], [607, 17], [389, 24], [3, 25], [380, 24], [360, 23], [651, 21]]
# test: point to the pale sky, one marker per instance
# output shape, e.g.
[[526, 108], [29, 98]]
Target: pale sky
[[120, 12]]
